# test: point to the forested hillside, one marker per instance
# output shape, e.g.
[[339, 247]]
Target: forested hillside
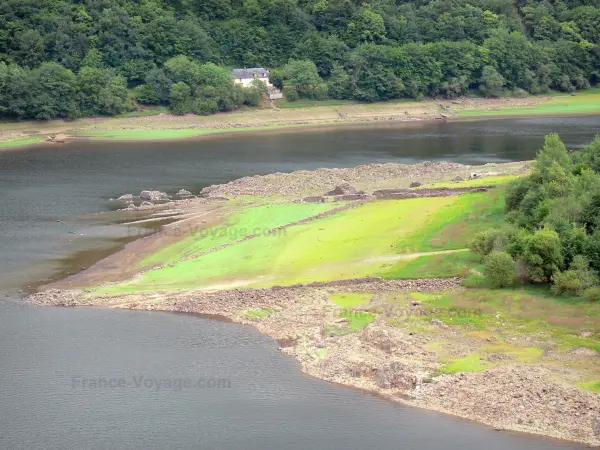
[[64, 58]]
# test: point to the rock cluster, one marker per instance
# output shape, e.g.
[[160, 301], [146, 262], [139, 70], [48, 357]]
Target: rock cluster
[[154, 196]]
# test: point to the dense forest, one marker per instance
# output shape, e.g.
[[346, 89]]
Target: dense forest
[[62, 58], [552, 234]]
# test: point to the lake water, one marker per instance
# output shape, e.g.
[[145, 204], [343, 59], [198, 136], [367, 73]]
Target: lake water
[[56, 201]]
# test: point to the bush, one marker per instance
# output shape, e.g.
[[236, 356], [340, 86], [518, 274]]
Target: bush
[[290, 93], [577, 279], [567, 282], [493, 239], [592, 294], [543, 254], [252, 97], [483, 243], [500, 269]]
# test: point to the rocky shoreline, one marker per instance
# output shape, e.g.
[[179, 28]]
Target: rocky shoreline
[[381, 358]]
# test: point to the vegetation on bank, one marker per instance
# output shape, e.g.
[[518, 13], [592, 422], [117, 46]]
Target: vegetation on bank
[[587, 103], [69, 59], [552, 230]]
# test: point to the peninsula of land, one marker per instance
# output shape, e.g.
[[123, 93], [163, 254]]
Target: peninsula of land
[[359, 274]]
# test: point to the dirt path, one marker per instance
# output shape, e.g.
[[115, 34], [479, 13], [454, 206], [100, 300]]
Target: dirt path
[[412, 255]]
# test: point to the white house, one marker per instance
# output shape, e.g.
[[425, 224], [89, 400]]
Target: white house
[[245, 76]]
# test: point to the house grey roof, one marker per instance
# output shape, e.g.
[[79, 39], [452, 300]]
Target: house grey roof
[[249, 73]]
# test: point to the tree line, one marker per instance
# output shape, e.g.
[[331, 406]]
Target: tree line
[[62, 58], [552, 230]]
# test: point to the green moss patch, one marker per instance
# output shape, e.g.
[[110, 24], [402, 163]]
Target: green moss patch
[[469, 363], [357, 320], [593, 386], [350, 300]]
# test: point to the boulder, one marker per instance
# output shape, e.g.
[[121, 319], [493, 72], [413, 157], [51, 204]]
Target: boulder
[[184, 193], [131, 207], [57, 138], [415, 184], [457, 179], [126, 198], [145, 205], [153, 196], [342, 189]]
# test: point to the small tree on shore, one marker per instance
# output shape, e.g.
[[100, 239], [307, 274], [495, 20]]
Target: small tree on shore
[[500, 269]]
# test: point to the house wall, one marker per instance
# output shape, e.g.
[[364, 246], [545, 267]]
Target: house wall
[[246, 82]]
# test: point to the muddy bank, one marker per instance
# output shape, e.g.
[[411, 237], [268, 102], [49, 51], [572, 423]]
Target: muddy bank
[[391, 360]]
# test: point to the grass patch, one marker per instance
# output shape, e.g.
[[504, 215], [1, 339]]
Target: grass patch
[[434, 266], [351, 300], [521, 354], [341, 246], [496, 180], [585, 102], [243, 223], [259, 313], [520, 312], [469, 363], [454, 225], [357, 320], [593, 386], [22, 142]]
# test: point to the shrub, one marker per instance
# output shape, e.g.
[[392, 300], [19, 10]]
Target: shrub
[[493, 239], [577, 279], [252, 97], [592, 294], [567, 282], [290, 93], [543, 254], [500, 269], [483, 243]]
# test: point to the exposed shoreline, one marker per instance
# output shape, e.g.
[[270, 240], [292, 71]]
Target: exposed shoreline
[[393, 362], [166, 127]]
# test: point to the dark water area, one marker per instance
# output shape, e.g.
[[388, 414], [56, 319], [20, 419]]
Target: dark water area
[[259, 399], [56, 215], [74, 183]]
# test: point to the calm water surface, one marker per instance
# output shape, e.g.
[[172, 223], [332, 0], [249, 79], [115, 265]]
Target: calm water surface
[[56, 201], [270, 404]]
